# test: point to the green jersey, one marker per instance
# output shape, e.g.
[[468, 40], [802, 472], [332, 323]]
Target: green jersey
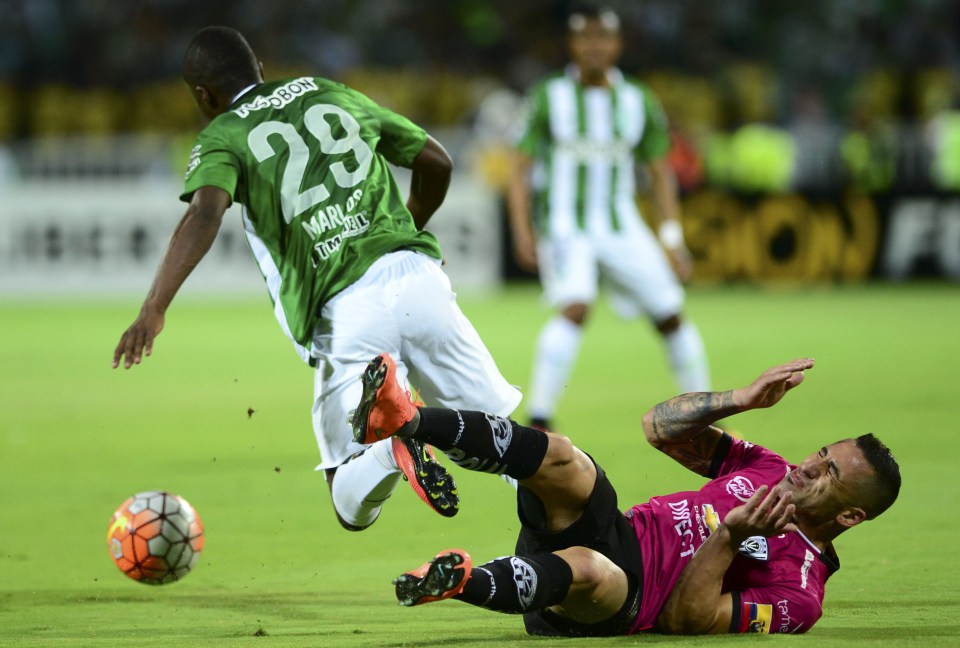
[[307, 158], [584, 141]]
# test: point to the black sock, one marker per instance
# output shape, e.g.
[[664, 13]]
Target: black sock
[[517, 584], [483, 442]]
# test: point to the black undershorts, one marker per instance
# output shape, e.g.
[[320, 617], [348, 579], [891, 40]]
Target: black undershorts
[[603, 528]]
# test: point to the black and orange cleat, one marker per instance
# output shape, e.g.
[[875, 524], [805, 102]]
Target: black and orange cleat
[[385, 407], [442, 578], [428, 479]]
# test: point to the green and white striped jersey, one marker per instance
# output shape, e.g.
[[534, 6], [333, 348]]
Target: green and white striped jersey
[[584, 141], [307, 158]]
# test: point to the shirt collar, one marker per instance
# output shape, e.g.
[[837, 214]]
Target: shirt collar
[[242, 92]]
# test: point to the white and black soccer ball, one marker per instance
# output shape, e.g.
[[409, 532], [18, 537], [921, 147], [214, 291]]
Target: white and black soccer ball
[[155, 537]]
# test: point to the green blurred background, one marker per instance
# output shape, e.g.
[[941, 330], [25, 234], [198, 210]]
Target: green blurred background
[[79, 437]]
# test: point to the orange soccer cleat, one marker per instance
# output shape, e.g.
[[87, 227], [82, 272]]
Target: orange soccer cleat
[[385, 407], [442, 578], [428, 479]]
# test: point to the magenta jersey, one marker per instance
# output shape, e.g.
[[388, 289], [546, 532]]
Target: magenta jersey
[[777, 583]]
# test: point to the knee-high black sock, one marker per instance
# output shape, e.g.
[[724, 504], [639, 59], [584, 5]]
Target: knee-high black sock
[[515, 584], [483, 442]]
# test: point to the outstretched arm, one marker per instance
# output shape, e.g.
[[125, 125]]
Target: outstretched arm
[[432, 169], [191, 240], [682, 426]]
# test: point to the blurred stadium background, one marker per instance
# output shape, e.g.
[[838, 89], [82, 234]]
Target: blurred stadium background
[[818, 145], [815, 141]]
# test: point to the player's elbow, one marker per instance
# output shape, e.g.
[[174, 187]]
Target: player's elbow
[[649, 431], [434, 161], [689, 628], [684, 622]]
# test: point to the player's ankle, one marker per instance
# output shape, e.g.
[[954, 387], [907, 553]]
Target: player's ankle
[[409, 429]]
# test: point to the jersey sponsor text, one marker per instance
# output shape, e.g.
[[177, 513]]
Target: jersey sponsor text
[[279, 97]]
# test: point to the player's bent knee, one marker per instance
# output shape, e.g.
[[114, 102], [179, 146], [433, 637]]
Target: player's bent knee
[[669, 325], [599, 587], [591, 569], [576, 313], [566, 476], [560, 450]]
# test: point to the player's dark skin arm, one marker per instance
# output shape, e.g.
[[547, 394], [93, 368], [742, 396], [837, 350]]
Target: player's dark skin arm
[[682, 427], [696, 604], [190, 242], [432, 169]]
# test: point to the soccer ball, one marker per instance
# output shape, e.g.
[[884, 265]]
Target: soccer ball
[[155, 537]]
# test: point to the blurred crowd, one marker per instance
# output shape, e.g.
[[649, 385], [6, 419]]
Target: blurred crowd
[[746, 80]]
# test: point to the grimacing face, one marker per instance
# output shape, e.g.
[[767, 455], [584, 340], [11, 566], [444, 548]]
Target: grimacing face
[[828, 483], [595, 48]]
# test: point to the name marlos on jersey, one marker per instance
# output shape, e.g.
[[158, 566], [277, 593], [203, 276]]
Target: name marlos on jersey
[[279, 97], [335, 217]]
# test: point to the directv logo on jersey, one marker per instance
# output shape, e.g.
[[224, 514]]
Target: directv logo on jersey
[[755, 547]]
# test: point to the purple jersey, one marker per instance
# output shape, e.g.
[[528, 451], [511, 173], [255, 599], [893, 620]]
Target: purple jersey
[[777, 583]]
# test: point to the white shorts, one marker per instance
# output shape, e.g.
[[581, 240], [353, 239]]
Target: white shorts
[[403, 305], [632, 265]]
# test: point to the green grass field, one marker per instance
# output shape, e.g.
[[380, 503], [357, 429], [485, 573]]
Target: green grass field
[[77, 438]]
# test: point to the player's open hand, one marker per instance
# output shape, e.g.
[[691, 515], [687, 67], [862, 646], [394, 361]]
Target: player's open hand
[[767, 513], [138, 339], [770, 387]]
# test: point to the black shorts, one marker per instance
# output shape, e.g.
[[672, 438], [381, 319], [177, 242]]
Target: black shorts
[[603, 528]]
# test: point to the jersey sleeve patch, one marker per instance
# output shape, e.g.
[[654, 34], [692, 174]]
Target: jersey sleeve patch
[[750, 617], [773, 612], [211, 164]]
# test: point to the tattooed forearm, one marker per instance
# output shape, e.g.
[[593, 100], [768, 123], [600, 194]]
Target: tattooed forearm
[[681, 427], [683, 417]]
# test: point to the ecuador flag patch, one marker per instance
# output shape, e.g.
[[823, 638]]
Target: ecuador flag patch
[[755, 617]]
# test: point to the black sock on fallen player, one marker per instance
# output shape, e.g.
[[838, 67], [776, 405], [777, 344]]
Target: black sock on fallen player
[[483, 442], [516, 584]]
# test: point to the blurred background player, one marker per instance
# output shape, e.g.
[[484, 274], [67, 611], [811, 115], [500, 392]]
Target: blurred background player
[[349, 268], [573, 212]]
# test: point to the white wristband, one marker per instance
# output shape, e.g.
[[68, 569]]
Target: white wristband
[[671, 234]]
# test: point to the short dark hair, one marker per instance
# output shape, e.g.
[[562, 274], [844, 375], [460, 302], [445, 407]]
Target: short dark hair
[[887, 472], [220, 58], [578, 18]]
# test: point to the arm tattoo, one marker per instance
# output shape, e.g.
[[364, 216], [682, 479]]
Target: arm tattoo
[[683, 417]]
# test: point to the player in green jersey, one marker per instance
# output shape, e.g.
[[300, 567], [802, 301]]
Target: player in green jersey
[[347, 262], [573, 212]]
